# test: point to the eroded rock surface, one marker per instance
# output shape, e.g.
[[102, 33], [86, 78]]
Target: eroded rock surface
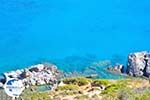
[[139, 64], [37, 75]]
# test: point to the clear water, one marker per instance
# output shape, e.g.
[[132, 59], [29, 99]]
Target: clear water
[[36, 30]]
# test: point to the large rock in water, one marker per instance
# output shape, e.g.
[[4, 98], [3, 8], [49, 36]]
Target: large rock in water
[[139, 64]]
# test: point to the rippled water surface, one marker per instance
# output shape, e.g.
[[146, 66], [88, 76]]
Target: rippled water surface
[[37, 30]]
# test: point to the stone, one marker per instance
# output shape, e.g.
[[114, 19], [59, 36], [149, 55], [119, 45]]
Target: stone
[[36, 75], [102, 87], [2, 79], [119, 68], [92, 76], [147, 69], [139, 64], [32, 82], [39, 74], [25, 74], [1, 84]]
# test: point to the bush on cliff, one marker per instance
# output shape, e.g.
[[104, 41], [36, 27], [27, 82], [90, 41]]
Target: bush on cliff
[[68, 89], [100, 82], [120, 91], [36, 96], [80, 81]]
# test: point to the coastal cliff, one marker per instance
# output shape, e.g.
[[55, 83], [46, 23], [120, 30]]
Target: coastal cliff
[[81, 88], [46, 82], [15, 82], [139, 64]]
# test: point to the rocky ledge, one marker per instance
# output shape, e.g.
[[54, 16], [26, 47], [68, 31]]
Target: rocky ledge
[[40, 74], [118, 69], [139, 64]]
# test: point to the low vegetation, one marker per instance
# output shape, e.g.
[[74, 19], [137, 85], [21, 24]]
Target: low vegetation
[[129, 89], [82, 97], [85, 89], [80, 81], [100, 82], [67, 87], [35, 96]]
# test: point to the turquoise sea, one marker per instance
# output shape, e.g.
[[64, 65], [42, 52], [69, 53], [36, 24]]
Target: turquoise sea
[[71, 31]]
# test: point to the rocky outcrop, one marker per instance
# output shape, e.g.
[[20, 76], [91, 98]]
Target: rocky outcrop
[[139, 64], [147, 68], [116, 69], [40, 74]]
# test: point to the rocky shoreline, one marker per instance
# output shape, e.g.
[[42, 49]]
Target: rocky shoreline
[[40, 74], [138, 65]]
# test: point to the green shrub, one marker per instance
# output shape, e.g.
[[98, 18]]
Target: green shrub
[[143, 96], [82, 97], [80, 81], [126, 94], [110, 89], [115, 92], [36, 96], [100, 82], [114, 87], [120, 91], [67, 87]]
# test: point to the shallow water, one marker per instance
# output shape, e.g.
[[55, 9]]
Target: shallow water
[[39, 30]]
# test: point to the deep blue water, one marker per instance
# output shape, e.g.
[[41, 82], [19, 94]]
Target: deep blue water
[[34, 30]]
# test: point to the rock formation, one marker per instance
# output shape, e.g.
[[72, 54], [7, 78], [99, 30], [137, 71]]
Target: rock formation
[[40, 74], [116, 69], [139, 64]]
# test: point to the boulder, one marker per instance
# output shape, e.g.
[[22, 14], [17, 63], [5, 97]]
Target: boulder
[[39, 74], [25, 74], [139, 64], [118, 68], [1, 84], [147, 68], [32, 82]]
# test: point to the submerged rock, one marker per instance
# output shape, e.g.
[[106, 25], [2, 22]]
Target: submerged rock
[[119, 68], [139, 64]]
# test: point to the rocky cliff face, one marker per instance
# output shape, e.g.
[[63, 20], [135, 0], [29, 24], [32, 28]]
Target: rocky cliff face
[[40, 74], [139, 64]]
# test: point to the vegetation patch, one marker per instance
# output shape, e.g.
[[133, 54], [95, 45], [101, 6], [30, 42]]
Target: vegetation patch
[[100, 82], [36, 96], [67, 87], [80, 81], [80, 89], [82, 97]]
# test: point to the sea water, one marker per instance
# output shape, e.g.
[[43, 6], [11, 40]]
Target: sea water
[[39, 30]]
